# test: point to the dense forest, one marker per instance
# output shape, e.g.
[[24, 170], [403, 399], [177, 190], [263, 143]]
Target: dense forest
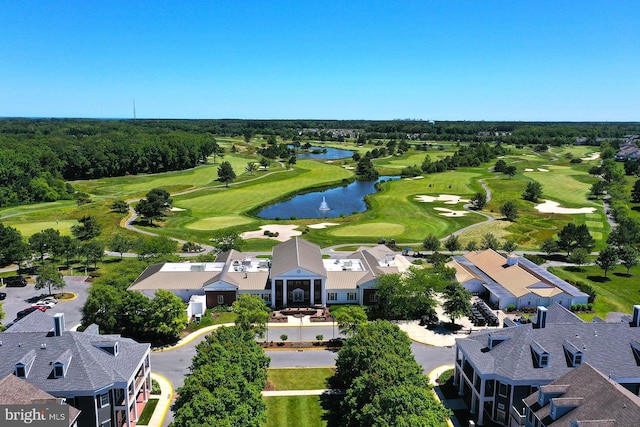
[[38, 156]]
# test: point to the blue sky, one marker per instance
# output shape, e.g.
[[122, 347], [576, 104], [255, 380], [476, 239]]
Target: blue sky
[[443, 60]]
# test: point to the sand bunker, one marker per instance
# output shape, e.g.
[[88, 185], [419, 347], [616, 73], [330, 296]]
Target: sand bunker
[[554, 207], [592, 156], [543, 170], [285, 232], [322, 225], [348, 167], [449, 212], [448, 199], [528, 170], [174, 209]]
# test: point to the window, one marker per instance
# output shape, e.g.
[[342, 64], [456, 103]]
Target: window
[[373, 297], [544, 360], [20, 372], [351, 296], [58, 371], [332, 296], [103, 400], [501, 416], [502, 390], [220, 299], [266, 297]]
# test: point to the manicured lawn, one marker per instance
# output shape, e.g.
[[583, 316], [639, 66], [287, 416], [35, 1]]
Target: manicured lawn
[[618, 292], [294, 411], [147, 412], [300, 378]]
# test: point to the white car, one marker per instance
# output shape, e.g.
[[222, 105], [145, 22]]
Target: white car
[[47, 304], [51, 299]]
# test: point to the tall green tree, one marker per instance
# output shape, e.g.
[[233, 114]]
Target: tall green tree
[[49, 277], [68, 248], [607, 259], [155, 205], [89, 228], [549, 246], [479, 201], [226, 173], [350, 319], [251, 167], [509, 211], [92, 251], [533, 192], [452, 244], [120, 206], [489, 241], [121, 244], [154, 246], [628, 257], [635, 192], [431, 243], [168, 316], [45, 241], [12, 248], [578, 257], [252, 312], [457, 301]]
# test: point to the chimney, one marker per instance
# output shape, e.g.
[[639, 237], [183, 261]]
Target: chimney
[[541, 318], [58, 324], [512, 260], [636, 316]]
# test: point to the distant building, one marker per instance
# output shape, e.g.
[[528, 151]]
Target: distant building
[[628, 151], [513, 280], [106, 377], [297, 275], [496, 370], [583, 396]]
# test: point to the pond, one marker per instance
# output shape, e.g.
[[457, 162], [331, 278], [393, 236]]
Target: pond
[[326, 153], [344, 200]]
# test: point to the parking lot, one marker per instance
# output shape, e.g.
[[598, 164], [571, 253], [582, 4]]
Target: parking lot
[[21, 298]]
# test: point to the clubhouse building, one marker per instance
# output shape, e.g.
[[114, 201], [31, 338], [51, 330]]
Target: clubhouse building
[[513, 280], [297, 275]]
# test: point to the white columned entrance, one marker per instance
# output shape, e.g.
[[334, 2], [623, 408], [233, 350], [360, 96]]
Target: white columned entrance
[[312, 296], [284, 292]]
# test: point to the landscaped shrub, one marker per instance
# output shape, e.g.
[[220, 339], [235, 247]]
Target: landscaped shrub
[[536, 259], [511, 308], [587, 289]]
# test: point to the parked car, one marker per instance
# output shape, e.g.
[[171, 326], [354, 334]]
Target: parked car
[[45, 304], [2, 296], [51, 299], [15, 282], [26, 311]]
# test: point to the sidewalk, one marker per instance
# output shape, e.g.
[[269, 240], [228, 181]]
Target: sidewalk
[[165, 398]]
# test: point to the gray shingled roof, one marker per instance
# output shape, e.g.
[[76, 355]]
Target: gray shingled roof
[[16, 391], [90, 367], [297, 253], [606, 346], [600, 400]]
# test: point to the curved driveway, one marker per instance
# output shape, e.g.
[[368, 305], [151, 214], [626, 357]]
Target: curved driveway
[[174, 363]]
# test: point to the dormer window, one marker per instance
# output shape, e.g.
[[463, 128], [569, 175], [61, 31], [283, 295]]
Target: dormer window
[[573, 354], [61, 365], [23, 366], [111, 347], [540, 356], [494, 341]]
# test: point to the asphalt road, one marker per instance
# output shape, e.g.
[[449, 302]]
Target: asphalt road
[[174, 363]]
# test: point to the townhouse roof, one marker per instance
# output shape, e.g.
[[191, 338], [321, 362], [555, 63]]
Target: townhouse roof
[[90, 367], [587, 391], [183, 275], [606, 346], [297, 253], [512, 276], [16, 391]]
